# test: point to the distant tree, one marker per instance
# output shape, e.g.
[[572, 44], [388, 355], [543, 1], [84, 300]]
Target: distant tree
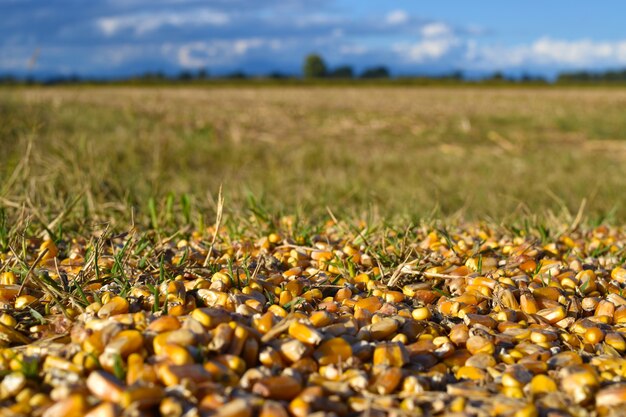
[[185, 76], [277, 75], [590, 77], [8, 79], [152, 76], [202, 74], [343, 71], [236, 75], [457, 75], [376, 72], [529, 78], [497, 76], [314, 66]]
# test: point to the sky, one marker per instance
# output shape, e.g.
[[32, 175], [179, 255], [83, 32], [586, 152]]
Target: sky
[[112, 38]]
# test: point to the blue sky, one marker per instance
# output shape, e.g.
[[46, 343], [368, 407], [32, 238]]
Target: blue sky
[[124, 37]]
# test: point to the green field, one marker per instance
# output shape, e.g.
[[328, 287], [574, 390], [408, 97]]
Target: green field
[[398, 153]]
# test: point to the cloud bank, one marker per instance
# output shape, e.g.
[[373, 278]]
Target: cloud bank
[[125, 37]]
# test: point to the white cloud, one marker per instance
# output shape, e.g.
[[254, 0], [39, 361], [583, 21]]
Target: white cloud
[[397, 17], [318, 19], [353, 50], [546, 51], [438, 39], [220, 52], [147, 22], [120, 54], [583, 52], [436, 30], [426, 50]]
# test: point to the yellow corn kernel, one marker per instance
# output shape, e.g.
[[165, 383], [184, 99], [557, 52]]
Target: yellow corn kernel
[[333, 351], [321, 318], [271, 358], [541, 384], [282, 387], [529, 410], [178, 355], [181, 337], [421, 313], [234, 363], [382, 329], [24, 301], [277, 310], [116, 305], [164, 324], [126, 342], [387, 381], [211, 317], [312, 295], [142, 396], [8, 278], [371, 304], [470, 372], [240, 334], [55, 362], [609, 397], [304, 333], [171, 375], [52, 250], [264, 322], [104, 386], [343, 294], [285, 297], [616, 341], [479, 344], [390, 354], [594, 335], [8, 320], [74, 405]]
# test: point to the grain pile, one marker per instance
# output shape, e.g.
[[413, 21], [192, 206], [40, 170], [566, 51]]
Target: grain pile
[[472, 320]]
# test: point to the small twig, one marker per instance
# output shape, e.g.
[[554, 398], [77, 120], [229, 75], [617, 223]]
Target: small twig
[[9, 203], [396, 274], [278, 329], [257, 268], [218, 221], [432, 275], [579, 215], [10, 335], [30, 270]]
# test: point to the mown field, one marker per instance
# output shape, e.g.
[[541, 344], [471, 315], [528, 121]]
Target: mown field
[[328, 251], [387, 153]]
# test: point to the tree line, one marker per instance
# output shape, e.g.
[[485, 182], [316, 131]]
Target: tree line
[[315, 68], [591, 77]]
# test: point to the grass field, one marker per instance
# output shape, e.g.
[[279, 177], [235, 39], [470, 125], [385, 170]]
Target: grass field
[[372, 251], [402, 154]]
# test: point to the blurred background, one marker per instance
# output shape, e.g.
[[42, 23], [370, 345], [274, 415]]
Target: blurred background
[[119, 38], [401, 110]]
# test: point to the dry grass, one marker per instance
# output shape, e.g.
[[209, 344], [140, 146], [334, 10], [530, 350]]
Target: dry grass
[[398, 153]]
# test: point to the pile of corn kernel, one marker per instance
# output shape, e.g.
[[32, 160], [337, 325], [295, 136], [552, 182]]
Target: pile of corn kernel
[[470, 321]]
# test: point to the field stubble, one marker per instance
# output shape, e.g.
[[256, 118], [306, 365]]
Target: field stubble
[[396, 153]]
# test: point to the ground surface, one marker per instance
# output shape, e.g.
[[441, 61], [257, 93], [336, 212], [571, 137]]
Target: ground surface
[[375, 251], [403, 153]]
